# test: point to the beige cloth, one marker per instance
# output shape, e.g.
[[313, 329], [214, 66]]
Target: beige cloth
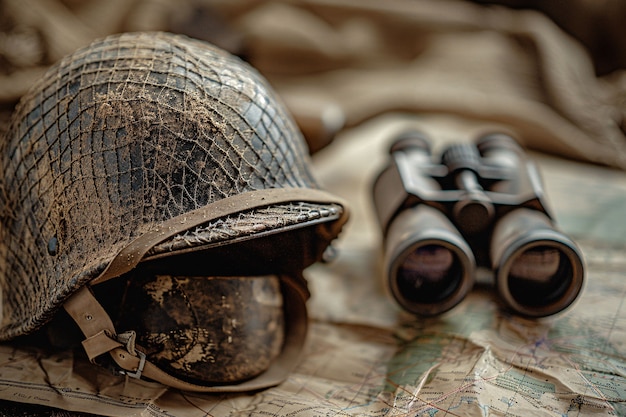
[[337, 63], [354, 60]]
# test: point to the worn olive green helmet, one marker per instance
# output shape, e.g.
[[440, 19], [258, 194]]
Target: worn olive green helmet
[[156, 190]]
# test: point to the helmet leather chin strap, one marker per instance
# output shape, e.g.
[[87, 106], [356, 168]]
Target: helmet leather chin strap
[[100, 333], [101, 338]]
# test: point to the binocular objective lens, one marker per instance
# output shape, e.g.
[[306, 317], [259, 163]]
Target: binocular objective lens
[[539, 276], [428, 274]]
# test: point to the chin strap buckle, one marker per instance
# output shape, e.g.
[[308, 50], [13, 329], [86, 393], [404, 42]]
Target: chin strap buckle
[[128, 339], [142, 363]]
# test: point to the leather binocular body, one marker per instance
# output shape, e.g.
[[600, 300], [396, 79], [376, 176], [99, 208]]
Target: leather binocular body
[[479, 205]]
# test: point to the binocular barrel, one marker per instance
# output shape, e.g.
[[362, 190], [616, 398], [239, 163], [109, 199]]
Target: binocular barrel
[[481, 205], [430, 268], [538, 270]]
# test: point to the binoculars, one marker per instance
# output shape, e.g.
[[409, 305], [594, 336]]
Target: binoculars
[[480, 205]]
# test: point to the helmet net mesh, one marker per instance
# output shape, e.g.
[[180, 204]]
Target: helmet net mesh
[[131, 131]]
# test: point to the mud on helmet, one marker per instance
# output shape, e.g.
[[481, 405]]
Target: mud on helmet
[[156, 191]]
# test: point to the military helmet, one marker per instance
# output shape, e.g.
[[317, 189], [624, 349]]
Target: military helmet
[[152, 163]]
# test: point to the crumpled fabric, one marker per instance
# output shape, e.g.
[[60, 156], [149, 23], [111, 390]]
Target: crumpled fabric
[[597, 25], [338, 63]]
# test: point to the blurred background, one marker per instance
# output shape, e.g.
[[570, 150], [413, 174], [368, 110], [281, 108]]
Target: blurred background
[[551, 70]]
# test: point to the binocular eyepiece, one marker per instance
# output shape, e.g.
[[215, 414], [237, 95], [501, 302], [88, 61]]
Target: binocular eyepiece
[[478, 205]]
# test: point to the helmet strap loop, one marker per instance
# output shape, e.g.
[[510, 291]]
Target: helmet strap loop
[[101, 338]]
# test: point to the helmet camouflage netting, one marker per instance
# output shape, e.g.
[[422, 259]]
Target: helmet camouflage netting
[[154, 142]]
